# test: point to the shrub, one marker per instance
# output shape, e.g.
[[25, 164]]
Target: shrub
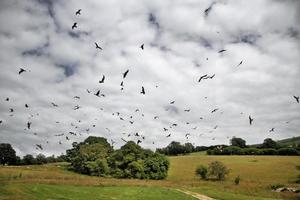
[[202, 171], [237, 180], [232, 150], [269, 151], [287, 151], [251, 151], [218, 170]]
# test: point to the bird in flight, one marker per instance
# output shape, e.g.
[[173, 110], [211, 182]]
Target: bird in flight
[[214, 110], [97, 93], [97, 46], [21, 70], [26, 105], [54, 105], [142, 47], [28, 125], [143, 90], [187, 110], [172, 102], [125, 73], [76, 97], [250, 120], [297, 98], [7, 99], [202, 77], [165, 129], [74, 25], [221, 51], [39, 146], [11, 110], [156, 117], [102, 80], [88, 91], [271, 130], [240, 63], [169, 135], [76, 107], [78, 12]]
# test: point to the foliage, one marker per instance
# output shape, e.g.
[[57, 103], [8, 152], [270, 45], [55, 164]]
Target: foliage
[[202, 171], [28, 160], [41, 159], [7, 154], [218, 170], [288, 151], [232, 150], [237, 180], [238, 142], [269, 143], [175, 148], [96, 157]]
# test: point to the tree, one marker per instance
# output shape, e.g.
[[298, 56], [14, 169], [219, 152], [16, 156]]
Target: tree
[[40, 159], [218, 170], [239, 142], [202, 171], [7, 154], [269, 143], [28, 160], [232, 150], [188, 148]]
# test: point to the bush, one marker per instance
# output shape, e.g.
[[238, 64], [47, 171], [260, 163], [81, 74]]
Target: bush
[[202, 171], [251, 151], [237, 180], [218, 170], [232, 150], [287, 151], [268, 151]]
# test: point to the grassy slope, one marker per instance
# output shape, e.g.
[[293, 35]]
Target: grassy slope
[[257, 173], [71, 192]]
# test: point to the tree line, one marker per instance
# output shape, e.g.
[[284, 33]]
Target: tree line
[[237, 147], [8, 156]]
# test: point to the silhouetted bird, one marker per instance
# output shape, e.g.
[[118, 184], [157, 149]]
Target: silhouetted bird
[[88, 91], [97, 46], [54, 105], [78, 12], [187, 110], [136, 110], [76, 107], [26, 105], [240, 63], [74, 25], [67, 138], [122, 84], [39, 146], [216, 127], [156, 117], [165, 129], [142, 46], [221, 51], [102, 80], [139, 141], [174, 124], [97, 93], [202, 77], [136, 134], [297, 98], [0, 121], [28, 125], [250, 120], [76, 97], [125, 73], [169, 135], [214, 110], [7, 99], [172, 102], [143, 90], [11, 110], [131, 122], [271, 130], [22, 70]]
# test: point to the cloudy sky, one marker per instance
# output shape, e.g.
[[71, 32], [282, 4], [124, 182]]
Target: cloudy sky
[[181, 43]]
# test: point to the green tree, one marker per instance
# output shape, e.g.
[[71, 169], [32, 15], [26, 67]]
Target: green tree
[[239, 142], [269, 143], [28, 160], [202, 171], [217, 170], [41, 159], [7, 154]]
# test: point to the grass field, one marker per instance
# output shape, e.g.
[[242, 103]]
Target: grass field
[[54, 181]]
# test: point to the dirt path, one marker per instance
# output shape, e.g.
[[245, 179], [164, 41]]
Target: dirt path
[[195, 194]]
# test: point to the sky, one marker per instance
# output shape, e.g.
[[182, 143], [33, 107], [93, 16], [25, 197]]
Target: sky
[[256, 76]]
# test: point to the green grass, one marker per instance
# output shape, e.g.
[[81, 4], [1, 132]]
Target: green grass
[[257, 174], [70, 192]]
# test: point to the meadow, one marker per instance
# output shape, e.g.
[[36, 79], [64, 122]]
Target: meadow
[[55, 181]]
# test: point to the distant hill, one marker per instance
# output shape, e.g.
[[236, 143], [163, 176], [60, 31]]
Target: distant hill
[[290, 141], [285, 142]]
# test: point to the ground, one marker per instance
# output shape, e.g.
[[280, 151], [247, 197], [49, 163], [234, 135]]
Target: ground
[[54, 181]]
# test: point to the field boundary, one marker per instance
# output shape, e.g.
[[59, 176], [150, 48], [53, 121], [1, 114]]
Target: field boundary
[[195, 195]]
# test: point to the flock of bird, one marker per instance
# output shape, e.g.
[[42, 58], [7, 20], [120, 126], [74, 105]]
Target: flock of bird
[[139, 137]]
